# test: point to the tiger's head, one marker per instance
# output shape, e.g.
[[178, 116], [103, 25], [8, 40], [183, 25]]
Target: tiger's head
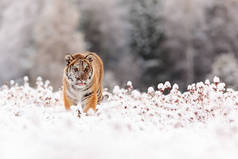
[[79, 70]]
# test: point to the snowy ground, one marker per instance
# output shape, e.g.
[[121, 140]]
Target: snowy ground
[[200, 123]]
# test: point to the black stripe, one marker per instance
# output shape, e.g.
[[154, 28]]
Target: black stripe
[[67, 73], [88, 86], [98, 92], [89, 55], [75, 88], [87, 95], [99, 99], [99, 95], [91, 73]]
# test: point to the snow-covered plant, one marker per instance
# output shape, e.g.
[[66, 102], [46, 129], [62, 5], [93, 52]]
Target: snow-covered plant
[[205, 111]]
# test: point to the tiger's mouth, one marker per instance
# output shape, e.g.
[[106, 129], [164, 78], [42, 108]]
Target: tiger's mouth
[[81, 83]]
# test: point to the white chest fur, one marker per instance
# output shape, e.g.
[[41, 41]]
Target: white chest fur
[[75, 95]]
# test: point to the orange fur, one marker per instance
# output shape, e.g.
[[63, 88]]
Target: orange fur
[[96, 85]]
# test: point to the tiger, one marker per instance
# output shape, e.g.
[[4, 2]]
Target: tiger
[[82, 80]]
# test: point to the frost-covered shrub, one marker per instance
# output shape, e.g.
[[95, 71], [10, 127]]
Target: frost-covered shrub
[[166, 107], [20, 96], [128, 121]]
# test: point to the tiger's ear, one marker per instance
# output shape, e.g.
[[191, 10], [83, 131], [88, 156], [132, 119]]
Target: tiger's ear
[[68, 58], [89, 58]]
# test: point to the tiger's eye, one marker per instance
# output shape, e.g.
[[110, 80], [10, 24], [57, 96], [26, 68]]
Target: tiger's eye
[[75, 69], [86, 69]]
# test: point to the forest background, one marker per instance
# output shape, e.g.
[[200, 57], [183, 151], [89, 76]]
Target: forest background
[[144, 41]]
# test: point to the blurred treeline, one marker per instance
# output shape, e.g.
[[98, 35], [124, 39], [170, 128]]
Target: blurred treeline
[[145, 41]]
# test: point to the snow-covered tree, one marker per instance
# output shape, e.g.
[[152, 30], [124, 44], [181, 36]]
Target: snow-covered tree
[[197, 31], [17, 19], [146, 40], [107, 31], [55, 34], [105, 27]]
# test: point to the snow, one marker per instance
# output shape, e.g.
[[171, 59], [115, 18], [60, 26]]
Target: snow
[[160, 86], [199, 123], [129, 83], [150, 90], [216, 79], [167, 85], [175, 86]]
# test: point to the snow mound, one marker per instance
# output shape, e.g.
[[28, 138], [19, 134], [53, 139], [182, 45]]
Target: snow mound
[[161, 123]]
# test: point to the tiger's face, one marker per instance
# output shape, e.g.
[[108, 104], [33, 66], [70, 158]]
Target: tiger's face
[[79, 71]]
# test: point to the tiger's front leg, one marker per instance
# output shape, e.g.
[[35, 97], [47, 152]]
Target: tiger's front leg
[[67, 102], [91, 102]]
